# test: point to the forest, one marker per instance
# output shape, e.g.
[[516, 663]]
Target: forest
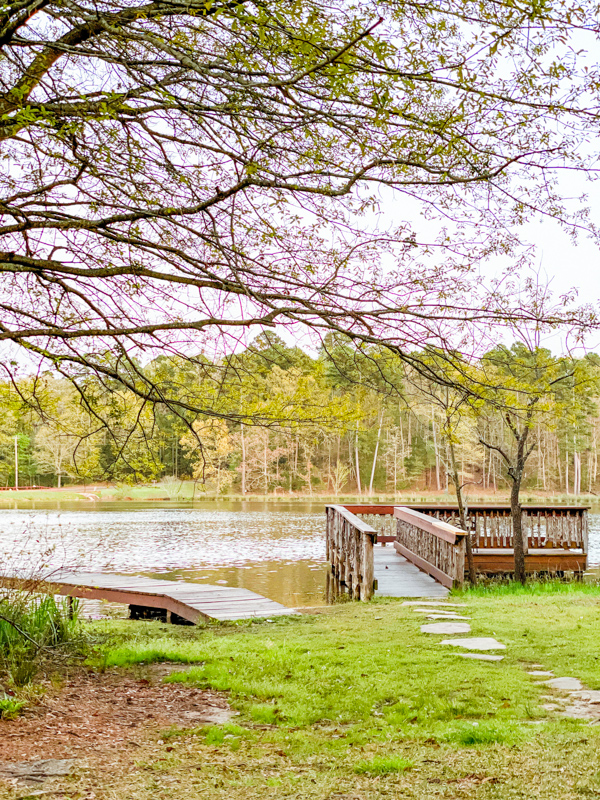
[[278, 420]]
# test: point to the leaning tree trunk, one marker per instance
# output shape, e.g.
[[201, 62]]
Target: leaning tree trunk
[[463, 516], [517, 527]]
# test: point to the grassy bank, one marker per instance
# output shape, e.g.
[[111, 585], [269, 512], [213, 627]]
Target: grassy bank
[[357, 703], [187, 492]]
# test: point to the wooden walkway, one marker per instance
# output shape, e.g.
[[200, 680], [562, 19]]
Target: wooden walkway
[[397, 577], [193, 602]]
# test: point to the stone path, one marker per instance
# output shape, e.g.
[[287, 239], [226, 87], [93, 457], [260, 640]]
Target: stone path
[[570, 699], [446, 627], [32, 773], [448, 612], [477, 643], [573, 699]]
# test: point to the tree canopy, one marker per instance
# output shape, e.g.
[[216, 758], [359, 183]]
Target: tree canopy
[[176, 173]]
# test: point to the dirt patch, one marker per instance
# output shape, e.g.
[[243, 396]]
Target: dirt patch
[[111, 711]]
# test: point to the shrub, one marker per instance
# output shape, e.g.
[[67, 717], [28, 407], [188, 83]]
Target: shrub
[[10, 707], [33, 629]]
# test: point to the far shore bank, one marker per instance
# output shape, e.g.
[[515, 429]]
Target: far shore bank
[[186, 492]]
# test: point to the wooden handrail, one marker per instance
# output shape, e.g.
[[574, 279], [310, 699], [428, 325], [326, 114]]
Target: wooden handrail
[[430, 524], [432, 545], [357, 522], [350, 551]]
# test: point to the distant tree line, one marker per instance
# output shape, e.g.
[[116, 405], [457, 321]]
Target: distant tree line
[[342, 420]]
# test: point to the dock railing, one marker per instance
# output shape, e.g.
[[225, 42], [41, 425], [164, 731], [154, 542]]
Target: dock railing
[[432, 545], [547, 527], [555, 537], [350, 551]]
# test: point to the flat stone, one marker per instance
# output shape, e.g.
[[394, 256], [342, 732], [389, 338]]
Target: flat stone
[[552, 707], [446, 616], [446, 627], [588, 696], [434, 611], [425, 602], [579, 709], [480, 656], [541, 673], [476, 643], [565, 684], [36, 772]]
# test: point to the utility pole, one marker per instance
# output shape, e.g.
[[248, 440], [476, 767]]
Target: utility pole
[[16, 462]]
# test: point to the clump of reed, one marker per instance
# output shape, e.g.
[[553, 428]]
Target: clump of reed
[[36, 632]]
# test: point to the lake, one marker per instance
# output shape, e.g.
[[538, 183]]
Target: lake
[[277, 550]]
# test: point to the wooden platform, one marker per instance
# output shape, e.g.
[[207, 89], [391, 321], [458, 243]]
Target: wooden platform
[[193, 602], [397, 577], [541, 559]]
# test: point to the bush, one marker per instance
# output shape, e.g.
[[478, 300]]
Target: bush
[[34, 629], [10, 707]]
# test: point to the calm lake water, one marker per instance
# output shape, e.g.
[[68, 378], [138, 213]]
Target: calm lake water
[[275, 550]]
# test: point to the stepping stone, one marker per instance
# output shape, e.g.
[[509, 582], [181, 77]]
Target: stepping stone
[[588, 696], [480, 656], [541, 673], [433, 611], [476, 643], [36, 772], [424, 602], [446, 616], [446, 627], [565, 684]]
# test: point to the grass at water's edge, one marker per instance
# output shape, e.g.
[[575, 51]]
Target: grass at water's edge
[[359, 703]]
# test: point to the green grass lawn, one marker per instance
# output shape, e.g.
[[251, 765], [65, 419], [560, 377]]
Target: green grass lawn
[[357, 703]]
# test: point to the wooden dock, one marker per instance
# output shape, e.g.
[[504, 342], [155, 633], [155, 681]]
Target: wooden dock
[[427, 556], [192, 602]]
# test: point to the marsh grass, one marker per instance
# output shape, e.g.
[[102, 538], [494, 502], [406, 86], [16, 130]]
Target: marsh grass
[[10, 707], [536, 586], [34, 629]]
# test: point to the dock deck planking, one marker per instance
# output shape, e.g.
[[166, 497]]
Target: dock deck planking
[[193, 602], [397, 577]]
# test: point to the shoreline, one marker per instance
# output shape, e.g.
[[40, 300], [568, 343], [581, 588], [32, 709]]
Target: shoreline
[[153, 495]]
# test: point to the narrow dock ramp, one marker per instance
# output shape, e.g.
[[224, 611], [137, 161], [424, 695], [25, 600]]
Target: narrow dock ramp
[[194, 602], [397, 577]]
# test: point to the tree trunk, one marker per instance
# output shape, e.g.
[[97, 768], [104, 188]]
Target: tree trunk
[[436, 452], [358, 484], [517, 526], [265, 465], [243, 442], [375, 454], [463, 516], [576, 474]]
